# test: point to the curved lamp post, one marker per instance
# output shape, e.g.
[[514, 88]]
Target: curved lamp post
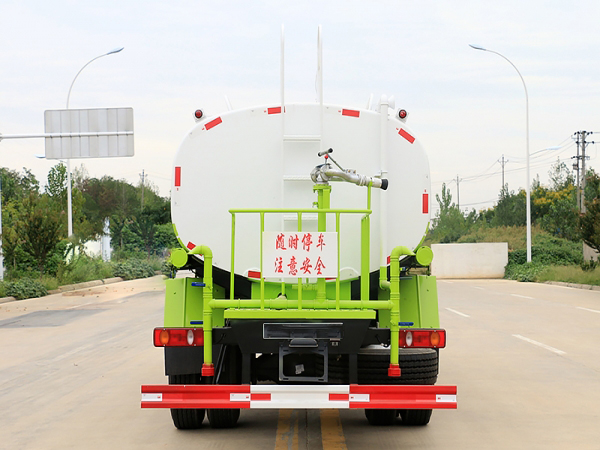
[[69, 193], [527, 187]]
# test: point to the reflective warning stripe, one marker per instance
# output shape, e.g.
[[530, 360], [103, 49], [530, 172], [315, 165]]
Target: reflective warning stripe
[[275, 110], [268, 396], [350, 112], [213, 123], [406, 135], [425, 203], [177, 176]]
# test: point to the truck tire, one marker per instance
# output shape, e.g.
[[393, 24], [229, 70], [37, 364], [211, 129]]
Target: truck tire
[[419, 366], [381, 417], [229, 371], [223, 418], [415, 417], [186, 419]]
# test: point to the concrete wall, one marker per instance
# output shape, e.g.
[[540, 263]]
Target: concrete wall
[[589, 254], [484, 260]]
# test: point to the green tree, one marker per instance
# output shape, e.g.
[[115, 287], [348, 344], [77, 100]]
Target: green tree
[[57, 183], [40, 228], [590, 224], [560, 176], [592, 185], [555, 208], [449, 223], [164, 238], [510, 210]]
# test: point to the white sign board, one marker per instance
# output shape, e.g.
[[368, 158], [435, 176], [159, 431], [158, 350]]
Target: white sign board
[[89, 133], [299, 254]]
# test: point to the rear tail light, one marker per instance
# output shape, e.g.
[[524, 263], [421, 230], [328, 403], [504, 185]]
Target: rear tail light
[[178, 337], [422, 338]]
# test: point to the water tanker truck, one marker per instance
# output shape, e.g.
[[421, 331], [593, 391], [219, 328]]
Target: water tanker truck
[[301, 225]]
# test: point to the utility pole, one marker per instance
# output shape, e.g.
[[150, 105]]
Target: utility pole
[[142, 175], [581, 144], [503, 163], [583, 157], [576, 168]]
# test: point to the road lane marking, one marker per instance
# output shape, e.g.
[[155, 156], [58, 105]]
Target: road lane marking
[[79, 306], [478, 287], [590, 310], [287, 430], [457, 312], [539, 344], [523, 296], [332, 434]]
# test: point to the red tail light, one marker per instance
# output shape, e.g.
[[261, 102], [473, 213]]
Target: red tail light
[[178, 337], [422, 338]]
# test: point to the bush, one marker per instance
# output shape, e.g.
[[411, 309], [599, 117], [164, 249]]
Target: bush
[[84, 268], [589, 266], [524, 272], [25, 288], [546, 251], [549, 250], [168, 269], [132, 269]]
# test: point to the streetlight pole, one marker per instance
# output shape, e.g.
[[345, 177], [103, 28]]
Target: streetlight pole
[[69, 192], [527, 187]]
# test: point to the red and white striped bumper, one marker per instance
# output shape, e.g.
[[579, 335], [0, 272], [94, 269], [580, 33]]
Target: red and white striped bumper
[[268, 396]]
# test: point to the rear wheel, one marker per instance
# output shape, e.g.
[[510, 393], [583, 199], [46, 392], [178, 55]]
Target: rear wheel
[[228, 371], [381, 417], [419, 366], [186, 419], [415, 417]]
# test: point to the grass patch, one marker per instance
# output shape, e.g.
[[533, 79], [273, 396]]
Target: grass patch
[[516, 237], [569, 274], [84, 268]]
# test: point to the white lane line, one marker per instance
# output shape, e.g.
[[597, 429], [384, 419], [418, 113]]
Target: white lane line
[[523, 296], [79, 306], [539, 344], [458, 312], [478, 287], [590, 310]]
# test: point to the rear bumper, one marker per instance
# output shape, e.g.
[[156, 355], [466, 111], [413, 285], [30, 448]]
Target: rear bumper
[[271, 396]]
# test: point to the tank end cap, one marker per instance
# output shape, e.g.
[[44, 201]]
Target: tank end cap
[[393, 370], [208, 370]]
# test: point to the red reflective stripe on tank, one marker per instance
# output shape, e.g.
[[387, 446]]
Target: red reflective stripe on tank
[[253, 274], [389, 259], [266, 397], [339, 397], [177, 176], [350, 112], [406, 136], [213, 123], [276, 110], [425, 203], [190, 245]]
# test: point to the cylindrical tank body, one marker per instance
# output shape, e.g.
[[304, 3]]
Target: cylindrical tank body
[[260, 158]]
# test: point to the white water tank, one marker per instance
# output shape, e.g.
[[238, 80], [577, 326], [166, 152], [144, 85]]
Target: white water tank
[[251, 159]]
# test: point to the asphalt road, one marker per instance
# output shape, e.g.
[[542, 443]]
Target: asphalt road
[[525, 358]]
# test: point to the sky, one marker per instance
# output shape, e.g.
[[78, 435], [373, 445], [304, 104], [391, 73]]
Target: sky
[[467, 107]]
